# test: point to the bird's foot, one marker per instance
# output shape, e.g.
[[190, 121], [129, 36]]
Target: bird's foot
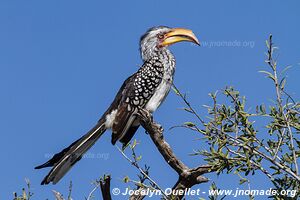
[[146, 115]]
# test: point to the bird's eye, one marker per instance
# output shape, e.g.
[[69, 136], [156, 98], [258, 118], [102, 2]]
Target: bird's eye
[[160, 36]]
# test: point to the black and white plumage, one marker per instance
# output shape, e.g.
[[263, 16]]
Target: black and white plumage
[[147, 88]]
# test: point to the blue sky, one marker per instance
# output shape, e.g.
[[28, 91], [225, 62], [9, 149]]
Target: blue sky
[[61, 63]]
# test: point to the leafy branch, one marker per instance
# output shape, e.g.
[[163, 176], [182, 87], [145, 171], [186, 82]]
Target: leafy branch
[[234, 142]]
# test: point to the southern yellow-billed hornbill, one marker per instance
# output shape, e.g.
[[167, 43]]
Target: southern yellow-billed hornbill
[[147, 88]]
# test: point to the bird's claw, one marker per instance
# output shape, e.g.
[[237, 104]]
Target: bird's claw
[[146, 114]]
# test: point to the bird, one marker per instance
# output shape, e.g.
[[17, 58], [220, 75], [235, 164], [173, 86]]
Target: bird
[[146, 89]]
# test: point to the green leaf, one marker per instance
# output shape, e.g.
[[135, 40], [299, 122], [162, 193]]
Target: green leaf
[[134, 144], [282, 83], [262, 108], [267, 44], [126, 179], [190, 124], [176, 91], [139, 158], [243, 180], [269, 74], [285, 69]]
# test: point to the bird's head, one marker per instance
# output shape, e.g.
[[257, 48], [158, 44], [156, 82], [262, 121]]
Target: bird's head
[[160, 37]]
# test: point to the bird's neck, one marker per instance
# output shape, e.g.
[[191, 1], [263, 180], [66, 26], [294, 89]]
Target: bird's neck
[[163, 55]]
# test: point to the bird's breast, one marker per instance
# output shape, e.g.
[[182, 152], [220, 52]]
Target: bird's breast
[[160, 93]]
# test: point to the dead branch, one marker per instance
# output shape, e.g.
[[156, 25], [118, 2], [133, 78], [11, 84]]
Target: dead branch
[[188, 177], [105, 187]]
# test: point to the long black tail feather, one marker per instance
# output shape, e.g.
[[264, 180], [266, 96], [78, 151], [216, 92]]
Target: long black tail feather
[[63, 161]]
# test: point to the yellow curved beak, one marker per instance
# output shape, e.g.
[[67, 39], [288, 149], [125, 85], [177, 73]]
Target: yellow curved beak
[[179, 35]]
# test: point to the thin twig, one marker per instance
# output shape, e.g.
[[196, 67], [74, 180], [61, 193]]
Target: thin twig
[[272, 64], [70, 191], [97, 184], [279, 144], [142, 171], [279, 165], [268, 174], [292, 145], [57, 195], [187, 103]]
